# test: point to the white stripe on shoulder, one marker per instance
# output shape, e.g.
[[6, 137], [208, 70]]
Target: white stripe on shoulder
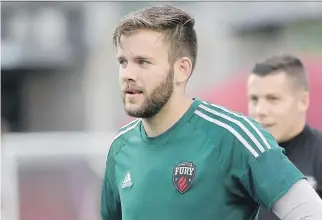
[[127, 129], [132, 122], [248, 121], [230, 129], [248, 133]]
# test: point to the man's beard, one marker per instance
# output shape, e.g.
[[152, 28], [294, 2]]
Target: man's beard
[[154, 103]]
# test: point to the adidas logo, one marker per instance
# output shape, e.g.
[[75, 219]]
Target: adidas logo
[[127, 182]]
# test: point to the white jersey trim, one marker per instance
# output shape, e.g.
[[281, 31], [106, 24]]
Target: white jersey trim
[[134, 124], [248, 133], [247, 120], [230, 129]]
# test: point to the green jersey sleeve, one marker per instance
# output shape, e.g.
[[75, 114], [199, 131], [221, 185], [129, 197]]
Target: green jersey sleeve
[[265, 171], [110, 200]]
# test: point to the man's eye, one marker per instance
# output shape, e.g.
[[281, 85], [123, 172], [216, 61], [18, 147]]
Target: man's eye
[[272, 98], [142, 62], [253, 98], [123, 63]]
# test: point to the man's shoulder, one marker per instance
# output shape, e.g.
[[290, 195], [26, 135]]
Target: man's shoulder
[[235, 127], [123, 135], [218, 117], [316, 136]]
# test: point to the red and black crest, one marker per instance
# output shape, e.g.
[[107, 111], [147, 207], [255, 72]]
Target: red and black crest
[[183, 176]]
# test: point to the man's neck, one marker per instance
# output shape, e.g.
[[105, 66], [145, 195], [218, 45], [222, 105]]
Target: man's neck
[[296, 130], [167, 117]]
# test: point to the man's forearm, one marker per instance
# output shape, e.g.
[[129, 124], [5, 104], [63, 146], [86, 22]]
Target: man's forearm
[[301, 202]]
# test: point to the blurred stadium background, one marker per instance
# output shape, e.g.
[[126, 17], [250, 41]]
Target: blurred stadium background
[[60, 105]]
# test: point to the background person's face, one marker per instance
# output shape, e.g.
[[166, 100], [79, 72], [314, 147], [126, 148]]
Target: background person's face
[[274, 103]]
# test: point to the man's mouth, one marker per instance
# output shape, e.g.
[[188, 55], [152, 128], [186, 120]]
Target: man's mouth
[[133, 91], [267, 125]]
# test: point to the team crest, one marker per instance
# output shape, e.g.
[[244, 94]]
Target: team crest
[[183, 176]]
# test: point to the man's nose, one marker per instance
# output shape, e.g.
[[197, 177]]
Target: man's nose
[[130, 73], [261, 110]]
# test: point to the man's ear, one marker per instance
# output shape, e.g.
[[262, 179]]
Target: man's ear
[[304, 101], [183, 69]]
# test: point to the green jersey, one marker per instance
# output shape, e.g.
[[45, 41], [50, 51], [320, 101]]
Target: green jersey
[[212, 164]]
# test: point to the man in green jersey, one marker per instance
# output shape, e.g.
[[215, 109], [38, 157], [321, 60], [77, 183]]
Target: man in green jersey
[[183, 158]]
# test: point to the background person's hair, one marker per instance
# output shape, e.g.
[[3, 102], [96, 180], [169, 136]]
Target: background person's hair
[[288, 64], [176, 25]]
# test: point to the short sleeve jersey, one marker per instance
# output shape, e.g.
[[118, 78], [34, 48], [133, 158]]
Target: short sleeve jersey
[[212, 164]]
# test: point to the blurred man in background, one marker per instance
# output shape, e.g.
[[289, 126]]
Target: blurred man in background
[[278, 98]]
